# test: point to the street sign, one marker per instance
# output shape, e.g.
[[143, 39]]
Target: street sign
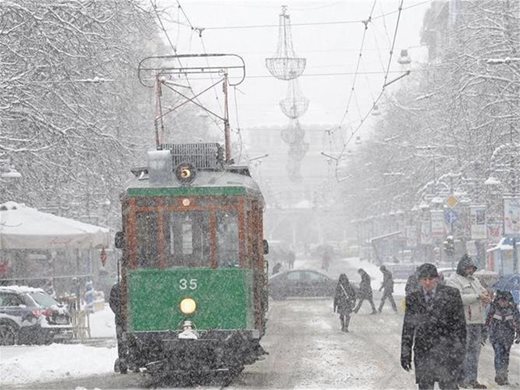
[[450, 216], [452, 201]]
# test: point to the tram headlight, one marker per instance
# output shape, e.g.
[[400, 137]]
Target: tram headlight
[[188, 306], [185, 172]]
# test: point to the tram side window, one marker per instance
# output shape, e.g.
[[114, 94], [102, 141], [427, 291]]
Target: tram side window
[[187, 239], [227, 240], [146, 239]]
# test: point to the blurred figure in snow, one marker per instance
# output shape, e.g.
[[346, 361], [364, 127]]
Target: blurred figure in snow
[[291, 257], [503, 321], [325, 260], [344, 301], [115, 304], [412, 283], [365, 291], [388, 288]]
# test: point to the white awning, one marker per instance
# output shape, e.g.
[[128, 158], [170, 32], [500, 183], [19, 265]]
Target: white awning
[[23, 227]]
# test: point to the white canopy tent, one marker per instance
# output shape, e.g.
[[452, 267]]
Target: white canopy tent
[[23, 227]]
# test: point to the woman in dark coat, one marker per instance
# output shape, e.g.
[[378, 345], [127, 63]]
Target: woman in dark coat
[[435, 327], [344, 301], [365, 291]]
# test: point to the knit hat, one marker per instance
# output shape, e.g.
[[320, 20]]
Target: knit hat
[[427, 270]]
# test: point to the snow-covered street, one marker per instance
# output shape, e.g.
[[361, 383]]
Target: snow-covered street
[[306, 350]]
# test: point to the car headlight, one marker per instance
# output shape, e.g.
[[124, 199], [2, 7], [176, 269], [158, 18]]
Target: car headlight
[[188, 306]]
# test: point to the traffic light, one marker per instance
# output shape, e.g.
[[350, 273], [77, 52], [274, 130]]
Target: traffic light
[[449, 246]]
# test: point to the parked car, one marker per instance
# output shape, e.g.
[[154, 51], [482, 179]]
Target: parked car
[[301, 283], [31, 316]]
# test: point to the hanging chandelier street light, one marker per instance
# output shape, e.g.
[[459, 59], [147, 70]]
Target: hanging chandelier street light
[[285, 65], [295, 104]]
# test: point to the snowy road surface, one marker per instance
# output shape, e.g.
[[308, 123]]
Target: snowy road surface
[[306, 350]]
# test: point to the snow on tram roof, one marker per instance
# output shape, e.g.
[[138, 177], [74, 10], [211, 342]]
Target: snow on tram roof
[[225, 178]]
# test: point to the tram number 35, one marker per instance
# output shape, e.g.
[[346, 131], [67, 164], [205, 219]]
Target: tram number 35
[[190, 284]]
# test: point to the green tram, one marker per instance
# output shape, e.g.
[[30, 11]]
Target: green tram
[[193, 275]]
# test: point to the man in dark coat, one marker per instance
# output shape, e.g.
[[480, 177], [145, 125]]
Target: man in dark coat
[[115, 305], [388, 288], [412, 283], [434, 326], [365, 291]]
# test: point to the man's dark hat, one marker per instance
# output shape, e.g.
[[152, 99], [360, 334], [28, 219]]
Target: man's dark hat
[[427, 270]]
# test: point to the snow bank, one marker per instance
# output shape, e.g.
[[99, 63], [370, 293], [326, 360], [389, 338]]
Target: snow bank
[[36, 363], [26, 363]]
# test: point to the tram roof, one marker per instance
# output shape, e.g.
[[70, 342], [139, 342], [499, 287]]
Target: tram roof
[[211, 183]]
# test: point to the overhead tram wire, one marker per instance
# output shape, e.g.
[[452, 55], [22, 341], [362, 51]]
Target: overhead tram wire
[[424, 69], [211, 77], [251, 26], [365, 23], [199, 30], [384, 26], [385, 84], [214, 120], [174, 48], [393, 44], [330, 132], [239, 133]]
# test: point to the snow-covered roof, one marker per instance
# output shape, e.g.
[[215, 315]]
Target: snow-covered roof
[[505, 244], [20, 289]]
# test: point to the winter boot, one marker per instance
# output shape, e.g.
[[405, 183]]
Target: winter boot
[[342, 324], [501, 378], [347, 321]]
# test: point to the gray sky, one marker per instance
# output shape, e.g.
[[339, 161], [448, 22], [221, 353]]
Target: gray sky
[[330, 46]]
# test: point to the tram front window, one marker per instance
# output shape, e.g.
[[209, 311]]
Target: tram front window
[[227, 240], [186, 238]]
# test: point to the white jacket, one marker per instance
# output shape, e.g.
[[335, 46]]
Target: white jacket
[[470, 290]]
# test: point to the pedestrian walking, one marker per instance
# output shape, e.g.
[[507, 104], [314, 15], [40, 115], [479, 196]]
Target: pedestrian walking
[[434, 329], [412, 283], [291, 258], [365, 291], [344, 301], [121, 364], [503, 322], [475, 299], [325, 260], [388, 288], [89, 297]]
